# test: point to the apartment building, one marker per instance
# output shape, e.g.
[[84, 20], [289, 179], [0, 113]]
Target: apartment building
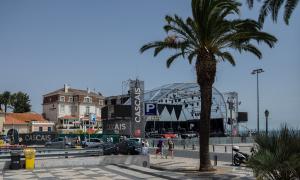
[[73, 109]]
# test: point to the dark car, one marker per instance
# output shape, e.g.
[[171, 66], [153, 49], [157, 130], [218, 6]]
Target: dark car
[[59, 143], [109, 148], [129, 147]]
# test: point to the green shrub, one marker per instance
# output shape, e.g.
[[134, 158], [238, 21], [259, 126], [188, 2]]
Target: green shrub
[[277, 155]]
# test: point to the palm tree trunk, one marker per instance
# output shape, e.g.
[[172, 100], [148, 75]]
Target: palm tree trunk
[[206, 71], [206, 95]]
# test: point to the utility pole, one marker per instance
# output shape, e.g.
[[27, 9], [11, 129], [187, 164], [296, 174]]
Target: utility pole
[[257, 71], [230, 107]]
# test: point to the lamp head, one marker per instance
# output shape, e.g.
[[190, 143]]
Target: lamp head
[[267, 113]]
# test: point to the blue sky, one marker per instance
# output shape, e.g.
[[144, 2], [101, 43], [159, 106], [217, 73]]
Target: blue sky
[[45, 44]]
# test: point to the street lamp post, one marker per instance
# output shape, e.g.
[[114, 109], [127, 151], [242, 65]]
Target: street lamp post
[[257, 71], [230, 107], [266, 115]]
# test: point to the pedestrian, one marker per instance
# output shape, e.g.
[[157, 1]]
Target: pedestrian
[[170, 149], [78, 141], [159, 149], [145, 147]]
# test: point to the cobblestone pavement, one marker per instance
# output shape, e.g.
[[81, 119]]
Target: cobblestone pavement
[[224, 170], [117, 172]]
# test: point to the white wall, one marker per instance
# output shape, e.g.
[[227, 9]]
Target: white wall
[[82, 109], [50, 111], [64, 111]]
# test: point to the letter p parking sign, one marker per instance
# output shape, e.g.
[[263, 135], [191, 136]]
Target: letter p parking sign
[[150, 109]]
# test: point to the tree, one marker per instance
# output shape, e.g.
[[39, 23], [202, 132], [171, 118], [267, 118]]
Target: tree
[[273, 6], [277, 155], [6, 100], [1, 102], [20, 102], [207, 38]]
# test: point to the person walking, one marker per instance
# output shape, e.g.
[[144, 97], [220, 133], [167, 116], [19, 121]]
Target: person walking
[[159, 149], [170, 149], [145, 146]]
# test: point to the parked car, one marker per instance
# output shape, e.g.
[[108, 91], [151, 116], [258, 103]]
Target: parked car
[[139, 140], [153, 135], [92, 143], [169, 135], [129, 147], [189, 135], [59, 143], [109, 148]]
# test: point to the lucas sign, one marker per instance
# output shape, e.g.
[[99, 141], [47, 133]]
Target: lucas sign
[[150, 109]]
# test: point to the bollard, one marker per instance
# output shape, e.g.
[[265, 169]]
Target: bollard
[[184, 146], [225, 148], [194, 146], [66, 154], [215, 160], [213, 148], [153, 143]]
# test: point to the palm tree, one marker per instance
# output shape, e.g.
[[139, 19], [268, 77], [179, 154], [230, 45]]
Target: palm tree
[[207, 37], [277, 155], [1, 102], [6, 100], [273, 6]]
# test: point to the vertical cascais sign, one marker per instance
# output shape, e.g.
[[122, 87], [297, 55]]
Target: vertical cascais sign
[[137, 102]]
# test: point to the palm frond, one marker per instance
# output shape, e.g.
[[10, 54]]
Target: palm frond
[[172, 58], [289, 8], [226, 56]]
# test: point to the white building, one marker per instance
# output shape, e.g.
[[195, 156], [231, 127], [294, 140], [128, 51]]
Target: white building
[[73, 109]]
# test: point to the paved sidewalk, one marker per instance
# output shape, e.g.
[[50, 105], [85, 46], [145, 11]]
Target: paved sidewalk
[[189, 166], [218, 148]]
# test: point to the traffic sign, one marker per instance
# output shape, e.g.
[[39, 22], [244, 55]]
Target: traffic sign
[[150, 109]]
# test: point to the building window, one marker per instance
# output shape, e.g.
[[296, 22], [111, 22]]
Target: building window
[[62, 98], [101, 102], [87, 99], [40, 129], [70, 99], [75, 99], [87, 110], [113, 101], [74, 109], [49, 129], [62, 108]]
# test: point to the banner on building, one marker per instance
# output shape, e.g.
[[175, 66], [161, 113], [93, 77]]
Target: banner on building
[[137, 101]]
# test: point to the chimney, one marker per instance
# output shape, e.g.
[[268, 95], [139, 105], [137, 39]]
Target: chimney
[[66, 88]]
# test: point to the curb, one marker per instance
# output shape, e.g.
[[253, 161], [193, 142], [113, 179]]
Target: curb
[[173, 169]]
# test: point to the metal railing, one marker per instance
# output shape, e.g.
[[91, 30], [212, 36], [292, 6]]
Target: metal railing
[[193, 143], [66, 153]]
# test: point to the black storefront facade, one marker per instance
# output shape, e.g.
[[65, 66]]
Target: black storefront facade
[[117, 119]]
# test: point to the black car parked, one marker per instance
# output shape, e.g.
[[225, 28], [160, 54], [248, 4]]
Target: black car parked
[[129, 147], [109, 148]]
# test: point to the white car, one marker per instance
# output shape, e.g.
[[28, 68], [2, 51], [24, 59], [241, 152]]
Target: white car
[[92, 143]]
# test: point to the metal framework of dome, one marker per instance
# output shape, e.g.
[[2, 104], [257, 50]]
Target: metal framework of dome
[[186, 95]]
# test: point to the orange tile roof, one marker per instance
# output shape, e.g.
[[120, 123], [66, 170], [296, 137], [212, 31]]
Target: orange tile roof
[[69, 117], [22, 118]]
